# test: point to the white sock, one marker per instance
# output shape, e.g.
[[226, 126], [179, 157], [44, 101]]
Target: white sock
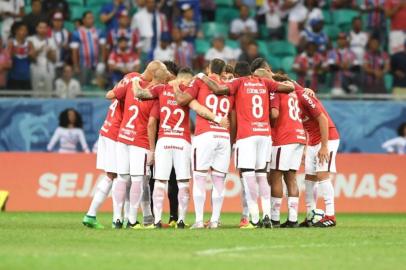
[[245, 211], [126, 208], [311, 195], [276, 208], [251, 189], [199, 194], [146, 198], [158, 199], [119, 194], [293, 206], [183, 199], [327, 191], [135, 197], [217, 195], [102, 191], [264, 193]]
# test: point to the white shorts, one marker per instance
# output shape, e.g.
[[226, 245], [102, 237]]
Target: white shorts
[[172, 152], [396, 41], [312, 164], [131, 159], [252, 152], [106, 155], [211, 150], [269, 155], [287, 157]]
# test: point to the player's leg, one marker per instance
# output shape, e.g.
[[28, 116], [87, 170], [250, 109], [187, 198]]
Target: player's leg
[[105, 161], [162, 171], [119, 188], [264, 188], [244, 221], [310, 182], [275, 178], [246, 160], [181, 163], [292, 164], [148, 218], [173, 199], [325, 186], [202, 155], [220, 165]]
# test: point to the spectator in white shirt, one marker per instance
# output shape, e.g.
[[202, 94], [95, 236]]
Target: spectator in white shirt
[[43, 58], [358, 39], [272, 10], [164, 52], [69, 133], [244, 25], [221, 51], [150, 24], [10, 11], [67, 86], [297, 16], [397, 145]]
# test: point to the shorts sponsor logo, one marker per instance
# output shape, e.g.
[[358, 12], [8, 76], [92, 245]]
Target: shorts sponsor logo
[[173, 147]]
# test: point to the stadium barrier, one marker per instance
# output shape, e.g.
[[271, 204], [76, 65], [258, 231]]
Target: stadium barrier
[[65, 182]]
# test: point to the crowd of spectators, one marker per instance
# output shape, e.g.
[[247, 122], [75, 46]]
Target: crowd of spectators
[[50, 48]]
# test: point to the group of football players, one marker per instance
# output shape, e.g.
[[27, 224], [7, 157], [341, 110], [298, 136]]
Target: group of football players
[[268, 120]]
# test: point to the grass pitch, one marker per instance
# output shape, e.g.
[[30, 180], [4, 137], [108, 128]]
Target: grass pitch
[[59, 241]]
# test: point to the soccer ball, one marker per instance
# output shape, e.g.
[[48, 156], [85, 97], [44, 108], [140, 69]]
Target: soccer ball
[[315, 215]]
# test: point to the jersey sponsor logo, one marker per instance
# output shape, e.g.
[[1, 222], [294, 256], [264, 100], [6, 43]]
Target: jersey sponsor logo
[[256, 91], [309, 100], [252, 84]]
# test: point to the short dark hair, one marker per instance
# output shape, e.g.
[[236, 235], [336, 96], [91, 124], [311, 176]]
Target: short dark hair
[[356, 19], [217, 66], [122, 38], [258, 63], [41, 21], [401, 128], [172, 67], [86, 13], [242, 68], [228, 68], [186, 70], [64, 120]]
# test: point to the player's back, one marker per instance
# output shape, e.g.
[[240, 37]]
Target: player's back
[[288, 127], [111, 124], [252, 106], [220, 105], [174, 119]]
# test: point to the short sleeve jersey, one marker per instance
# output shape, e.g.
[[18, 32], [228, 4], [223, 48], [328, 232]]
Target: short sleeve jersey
[[136, 113], [111, 124], [251, 96], [220, 105], [288, 128], [174, 119], [311, 108]]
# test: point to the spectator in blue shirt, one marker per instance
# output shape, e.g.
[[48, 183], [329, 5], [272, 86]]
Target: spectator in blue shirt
[[109, 13], [316, 35], [188, 24]]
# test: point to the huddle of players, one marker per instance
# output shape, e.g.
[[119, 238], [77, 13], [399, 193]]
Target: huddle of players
[[250, 103]]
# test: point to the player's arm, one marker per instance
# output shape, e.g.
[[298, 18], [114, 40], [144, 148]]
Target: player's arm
[[182, 98], [285, 87], [213, 85], [140, 92], [233, 126], [207, 114], [274, 116], [309, 92], [110, 95], [323, 153], [152, 129]]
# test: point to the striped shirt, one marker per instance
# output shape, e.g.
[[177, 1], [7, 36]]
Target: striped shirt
[[116, 33], [376, 18], [88, 41], [184, 54]]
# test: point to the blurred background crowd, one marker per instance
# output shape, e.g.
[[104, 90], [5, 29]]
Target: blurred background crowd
[[68, 48]]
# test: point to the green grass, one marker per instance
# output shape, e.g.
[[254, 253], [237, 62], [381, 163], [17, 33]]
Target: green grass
[[59, 241]]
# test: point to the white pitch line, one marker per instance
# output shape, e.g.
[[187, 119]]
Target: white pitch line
[[216, 251]]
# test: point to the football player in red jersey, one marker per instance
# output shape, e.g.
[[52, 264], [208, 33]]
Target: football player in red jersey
[[173, 146], [133, 147], [251, 95], [211, 147], [322, 145], [106, 161]]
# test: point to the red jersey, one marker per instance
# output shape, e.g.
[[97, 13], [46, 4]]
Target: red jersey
[[219, 105], [251, 96], [174, 119], [133, 129], [113, 119], [311, 108], [288, 128]]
